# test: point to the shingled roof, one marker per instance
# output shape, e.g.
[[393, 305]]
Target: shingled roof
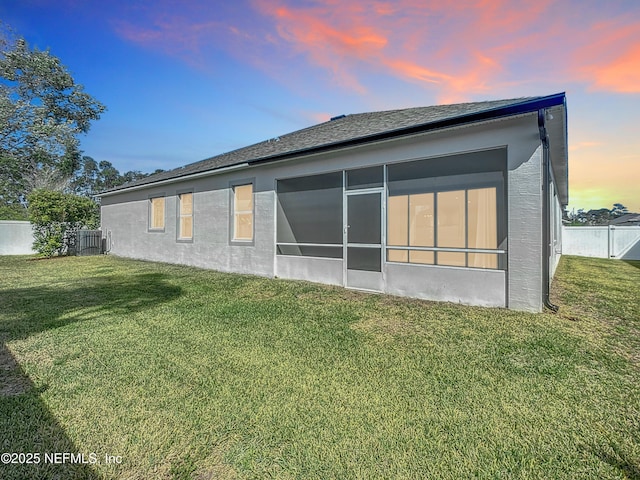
[[354, 129]]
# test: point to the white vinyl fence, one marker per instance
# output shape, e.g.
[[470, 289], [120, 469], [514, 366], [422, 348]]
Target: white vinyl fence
[[16, 238], [602, 242]]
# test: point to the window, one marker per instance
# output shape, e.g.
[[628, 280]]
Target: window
[[439, 214], [243, 212], [451, 227], [309, 219], [156, 213], [411, 224], [185, 216], [445, 221], [482, 222]]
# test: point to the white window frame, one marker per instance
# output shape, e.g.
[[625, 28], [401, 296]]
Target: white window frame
[[151, 214], [233, 213], [180, 215]]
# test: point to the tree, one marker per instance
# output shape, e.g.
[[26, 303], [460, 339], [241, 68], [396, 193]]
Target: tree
[[86, 178], [42, 113], [618, 210], [597, 216], [13, 212], [109, 176], [93, 177], [56, 217]]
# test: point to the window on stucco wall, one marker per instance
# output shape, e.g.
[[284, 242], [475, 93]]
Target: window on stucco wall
[[243, 212], [156, 213], [185, 216]]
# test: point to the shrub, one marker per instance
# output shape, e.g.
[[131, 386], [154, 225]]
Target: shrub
[[56, 217], [13, 212]]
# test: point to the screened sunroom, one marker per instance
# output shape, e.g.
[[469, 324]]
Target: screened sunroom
[[437, 213], [456, 203]]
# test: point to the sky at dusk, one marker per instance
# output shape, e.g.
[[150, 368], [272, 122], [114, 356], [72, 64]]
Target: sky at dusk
[[185, 80]]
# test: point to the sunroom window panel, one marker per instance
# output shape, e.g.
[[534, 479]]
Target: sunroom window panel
[[421, 216], [468, 209], [398, 221], [421, 256], [397, 256], [309, 216], [455, 259], [451, 219], [482, 218], [483, 260], [369, 177]]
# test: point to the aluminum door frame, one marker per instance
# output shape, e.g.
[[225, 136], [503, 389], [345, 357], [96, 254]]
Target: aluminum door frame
[[363, 279]]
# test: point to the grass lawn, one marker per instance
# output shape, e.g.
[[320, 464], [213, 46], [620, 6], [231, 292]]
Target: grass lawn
[[184, 373]]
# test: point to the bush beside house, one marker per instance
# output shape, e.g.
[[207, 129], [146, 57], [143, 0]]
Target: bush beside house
[[56, 217]]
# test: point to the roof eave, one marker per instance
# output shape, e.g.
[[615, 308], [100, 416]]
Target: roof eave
[[517, 108], [526, 106]]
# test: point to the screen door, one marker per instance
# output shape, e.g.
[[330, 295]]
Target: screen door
[[364, 240]]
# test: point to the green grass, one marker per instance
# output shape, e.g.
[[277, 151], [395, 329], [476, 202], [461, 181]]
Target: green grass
[[187, 373]]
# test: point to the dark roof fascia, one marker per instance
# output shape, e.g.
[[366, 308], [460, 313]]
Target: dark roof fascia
[[527, 106]]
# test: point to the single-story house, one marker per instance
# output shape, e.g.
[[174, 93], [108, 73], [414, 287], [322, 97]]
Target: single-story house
[[626, 220], [460, 203]]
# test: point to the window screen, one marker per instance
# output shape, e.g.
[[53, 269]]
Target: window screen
[[448, 204], [451, 227], [363, 213], [309, 217], [369, 177], [482, 222]]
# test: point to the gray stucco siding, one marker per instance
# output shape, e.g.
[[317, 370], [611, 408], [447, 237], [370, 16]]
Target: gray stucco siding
[[125, 224], [125, 219], [525, 232], [320, 270], [469, 286]]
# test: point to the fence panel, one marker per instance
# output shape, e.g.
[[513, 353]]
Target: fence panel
[[602, 242], [16, 238], [89, 242]]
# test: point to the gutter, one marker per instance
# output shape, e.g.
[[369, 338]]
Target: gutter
[[546, 211]]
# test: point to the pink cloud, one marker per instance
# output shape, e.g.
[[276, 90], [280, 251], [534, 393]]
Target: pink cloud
[[189, 31], [316, 117], [454, 50], [329, 44], [174, 37], [611, 62]]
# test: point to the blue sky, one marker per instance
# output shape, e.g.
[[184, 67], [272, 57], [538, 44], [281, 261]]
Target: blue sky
[[185, 80]]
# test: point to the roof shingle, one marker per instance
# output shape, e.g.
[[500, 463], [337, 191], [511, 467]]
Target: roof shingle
[[333, 133]]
